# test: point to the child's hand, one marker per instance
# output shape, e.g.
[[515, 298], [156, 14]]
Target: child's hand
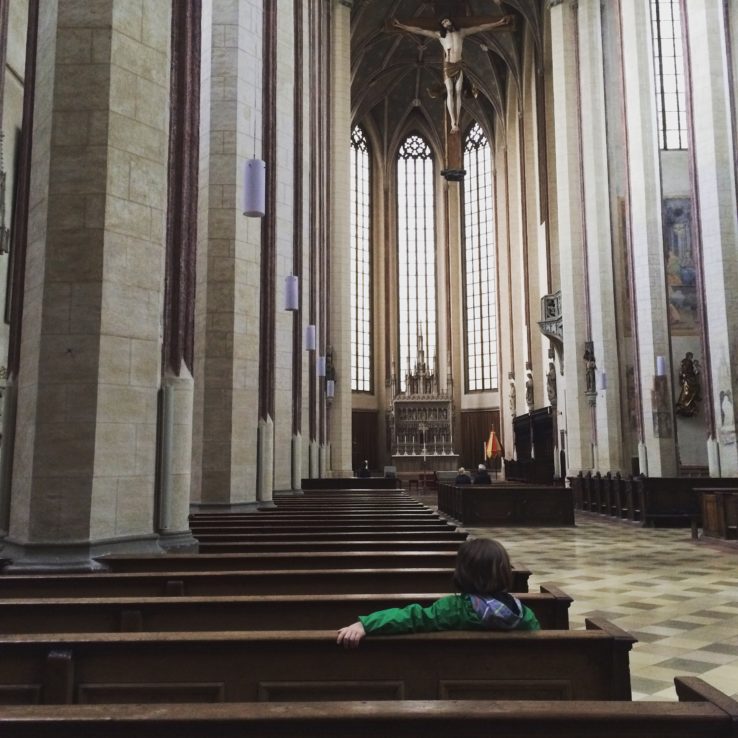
[[351, 635]]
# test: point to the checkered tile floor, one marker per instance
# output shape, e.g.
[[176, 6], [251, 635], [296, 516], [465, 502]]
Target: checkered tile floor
[[678, 597]]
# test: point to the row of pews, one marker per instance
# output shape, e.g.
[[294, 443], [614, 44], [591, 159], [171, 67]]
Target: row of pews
[[507, 504], [694, 502], [242, 641]]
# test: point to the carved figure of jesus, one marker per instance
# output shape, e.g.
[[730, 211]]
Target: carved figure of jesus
[[452, 41]]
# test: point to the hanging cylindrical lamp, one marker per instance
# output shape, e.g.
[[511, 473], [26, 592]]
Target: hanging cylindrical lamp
[[330, 389], [310, 338], [321, 366], [254, 188], [660, 366], [291, 292]]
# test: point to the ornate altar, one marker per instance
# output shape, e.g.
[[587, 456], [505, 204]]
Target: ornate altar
[[420, 420]]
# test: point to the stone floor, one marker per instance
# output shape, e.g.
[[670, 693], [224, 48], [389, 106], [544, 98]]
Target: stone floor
[[677, 596]]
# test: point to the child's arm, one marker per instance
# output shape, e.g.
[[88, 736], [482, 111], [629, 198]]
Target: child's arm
[[448, 613], [351, 635]]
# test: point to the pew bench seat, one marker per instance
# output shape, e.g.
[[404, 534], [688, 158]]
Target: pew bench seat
[[701, 712]]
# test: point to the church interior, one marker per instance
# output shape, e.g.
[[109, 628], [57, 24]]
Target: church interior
[[250, 246]]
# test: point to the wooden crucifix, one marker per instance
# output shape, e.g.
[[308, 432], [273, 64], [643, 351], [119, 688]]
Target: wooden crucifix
[[451, 36]]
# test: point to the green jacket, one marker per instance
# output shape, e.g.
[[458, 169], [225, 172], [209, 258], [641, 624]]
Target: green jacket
[[453, 612]]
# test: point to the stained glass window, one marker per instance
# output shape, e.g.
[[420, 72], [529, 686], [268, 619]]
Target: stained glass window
[[416, 254], [361, 271], [480, 288], [666, 30]]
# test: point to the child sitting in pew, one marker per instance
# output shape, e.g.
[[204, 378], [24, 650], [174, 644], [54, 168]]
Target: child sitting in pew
[[482, 577]]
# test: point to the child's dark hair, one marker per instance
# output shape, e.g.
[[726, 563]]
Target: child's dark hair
[[482, 567]]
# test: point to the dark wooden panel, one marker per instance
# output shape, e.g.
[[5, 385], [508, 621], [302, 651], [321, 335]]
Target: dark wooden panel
[[475, 428], [364, 434], [150, 693], [308, 691]]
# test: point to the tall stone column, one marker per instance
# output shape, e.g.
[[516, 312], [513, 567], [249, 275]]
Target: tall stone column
[[571, 230], [609, 452], [176, 405], [227, 312], [656, 449], [84, 463], [298, 241], [340, 278], [267, 282], [715, 184]]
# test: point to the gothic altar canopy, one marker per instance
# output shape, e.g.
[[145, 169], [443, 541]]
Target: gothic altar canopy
[[421, 420]]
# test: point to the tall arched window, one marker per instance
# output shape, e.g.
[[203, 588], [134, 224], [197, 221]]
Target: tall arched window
[[666, 32], [361, 270], [416, 253], [480, 298]]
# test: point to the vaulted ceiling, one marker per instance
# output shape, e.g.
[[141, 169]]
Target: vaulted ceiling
[[392, 71]]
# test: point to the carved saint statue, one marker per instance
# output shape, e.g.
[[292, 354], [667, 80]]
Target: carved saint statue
[[551, 384], [590, 366], [452, 40], [689, 386], [513, 398], [529, 391]]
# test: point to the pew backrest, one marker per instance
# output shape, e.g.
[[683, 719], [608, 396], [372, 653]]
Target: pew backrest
[[286, 666], [251, 582], [266, 612]]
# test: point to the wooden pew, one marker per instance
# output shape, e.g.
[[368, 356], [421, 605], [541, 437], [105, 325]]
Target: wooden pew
[[265, 612], [319, 517], [702, 712], [323, 505], [245, 530], [308, 560], [236, 666], [320, 506], [219, 583], [358, 489], [352, 483], [398, 535], [302, 547], [653, 501], [500, 504]]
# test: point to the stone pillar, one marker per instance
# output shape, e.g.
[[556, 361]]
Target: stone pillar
[[84, 463], [340, 278], [649, 285], [715, 183], [176, 460], [267, 273], [570, 216], [176, 405], [298, 235], [609, 452], [227, 312]]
